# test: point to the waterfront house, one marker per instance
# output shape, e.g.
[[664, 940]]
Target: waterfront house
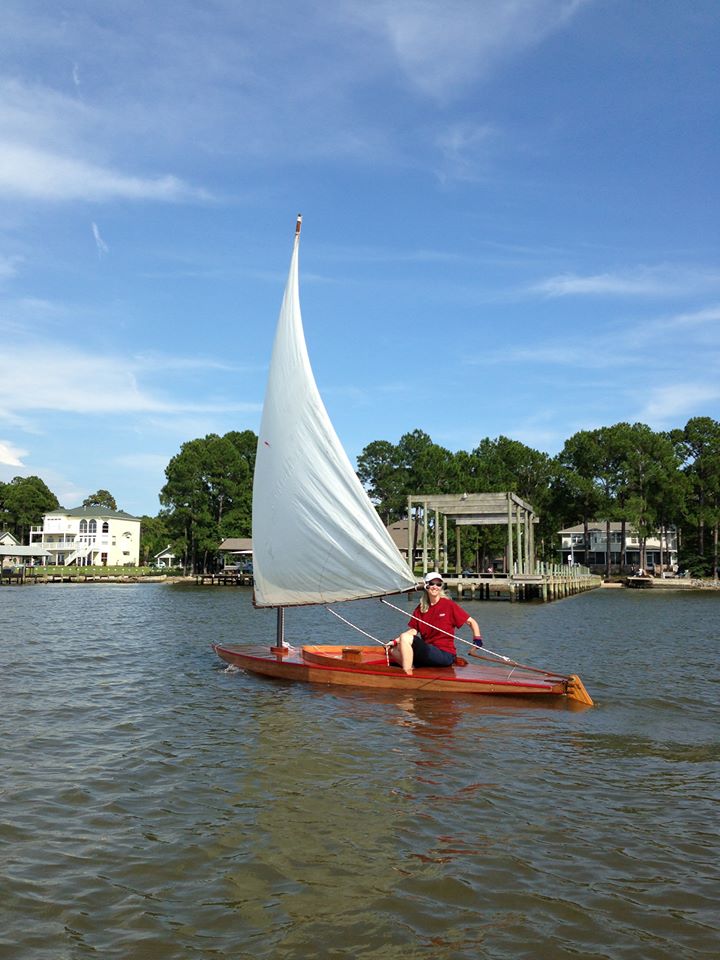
[[89, 536], [400, 533], [165, 558], [660, 547], [236, 551]]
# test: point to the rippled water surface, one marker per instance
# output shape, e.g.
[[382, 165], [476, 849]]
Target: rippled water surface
[[155, 805]]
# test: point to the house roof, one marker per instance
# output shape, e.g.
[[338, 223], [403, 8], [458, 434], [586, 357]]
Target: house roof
[[92, 512], [167, 551], [236, 545], [18, 550], [7, 537]]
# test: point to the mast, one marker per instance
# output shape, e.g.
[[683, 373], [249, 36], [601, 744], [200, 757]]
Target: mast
[[280, 647]]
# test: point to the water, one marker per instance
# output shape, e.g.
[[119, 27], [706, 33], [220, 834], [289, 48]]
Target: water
[[155, 805]]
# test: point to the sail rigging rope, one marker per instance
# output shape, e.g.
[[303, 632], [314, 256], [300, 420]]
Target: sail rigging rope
[[363, 632]]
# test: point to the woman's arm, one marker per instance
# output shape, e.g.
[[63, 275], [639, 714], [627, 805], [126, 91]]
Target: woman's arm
[[473, 624]]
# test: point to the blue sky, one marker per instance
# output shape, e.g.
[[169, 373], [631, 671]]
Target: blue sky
[[510, 222]]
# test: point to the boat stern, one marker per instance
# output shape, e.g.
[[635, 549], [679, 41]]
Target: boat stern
[[575, 690]]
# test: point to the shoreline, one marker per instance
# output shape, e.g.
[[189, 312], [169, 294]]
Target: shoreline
[[682, 584], [679, 584]]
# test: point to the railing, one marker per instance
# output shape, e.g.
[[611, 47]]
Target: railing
[[74, 543]]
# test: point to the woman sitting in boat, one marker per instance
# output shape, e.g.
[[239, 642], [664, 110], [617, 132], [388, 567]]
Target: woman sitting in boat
[[430, 639]]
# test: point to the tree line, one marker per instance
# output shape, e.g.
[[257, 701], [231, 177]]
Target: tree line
[[645, 479]]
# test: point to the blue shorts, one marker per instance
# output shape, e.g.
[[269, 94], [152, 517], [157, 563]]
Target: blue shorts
[[427, 655]]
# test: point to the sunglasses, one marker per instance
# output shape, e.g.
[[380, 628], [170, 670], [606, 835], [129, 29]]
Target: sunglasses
[[435, 583]]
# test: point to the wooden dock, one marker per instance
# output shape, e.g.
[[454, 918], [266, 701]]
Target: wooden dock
[[9, 575], [551, 582], [641, 583], [224, 579]]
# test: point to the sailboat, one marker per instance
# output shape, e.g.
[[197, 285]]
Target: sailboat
[[317, 539]]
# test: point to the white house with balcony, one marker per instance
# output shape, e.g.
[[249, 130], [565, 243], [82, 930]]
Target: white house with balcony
[[661, 547], [89, 536]]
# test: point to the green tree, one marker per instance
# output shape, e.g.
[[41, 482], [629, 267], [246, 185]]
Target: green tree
[[576, 490], [698, 445], [391, 473], [4, 515], [380, 470], [154, 537], [649, 479], [102, 498], [504, 465], [25, 501], [430, 468], [208, 494]]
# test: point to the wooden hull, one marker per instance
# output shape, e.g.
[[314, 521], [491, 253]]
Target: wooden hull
[[367, 667]]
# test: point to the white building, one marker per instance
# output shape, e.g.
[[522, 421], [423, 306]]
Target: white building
[[573, 546], [165, 559], [14, 555], [89, 536]]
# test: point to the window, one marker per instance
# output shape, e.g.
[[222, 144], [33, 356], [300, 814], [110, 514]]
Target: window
[[92, 526], [105, 526], [83, 526]]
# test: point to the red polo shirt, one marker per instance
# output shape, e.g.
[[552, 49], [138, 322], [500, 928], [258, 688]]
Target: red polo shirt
[[444, 615]]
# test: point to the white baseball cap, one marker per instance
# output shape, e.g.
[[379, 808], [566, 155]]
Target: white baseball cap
[[433, 575]]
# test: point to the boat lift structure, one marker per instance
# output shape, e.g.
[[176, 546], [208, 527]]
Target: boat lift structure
[[475, 509], [524, 578]]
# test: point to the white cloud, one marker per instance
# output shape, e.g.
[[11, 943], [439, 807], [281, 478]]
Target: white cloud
[[64, 377], [155, 362], [102, 247], [39, 174], [53, 147], [697, 318], [442, 45], [672, 403], [8, 267], [147, 462], [10, 455], [659, 281], [653, 346], [465, 149], [227, 82]]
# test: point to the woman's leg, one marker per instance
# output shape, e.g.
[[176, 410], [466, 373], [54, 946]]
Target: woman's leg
[[402, 653], [426, 655]]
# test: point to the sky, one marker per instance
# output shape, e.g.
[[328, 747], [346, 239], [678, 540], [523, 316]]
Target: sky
[[510, 222]]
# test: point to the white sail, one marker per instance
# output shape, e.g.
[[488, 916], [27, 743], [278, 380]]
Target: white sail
[[316, 536]]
